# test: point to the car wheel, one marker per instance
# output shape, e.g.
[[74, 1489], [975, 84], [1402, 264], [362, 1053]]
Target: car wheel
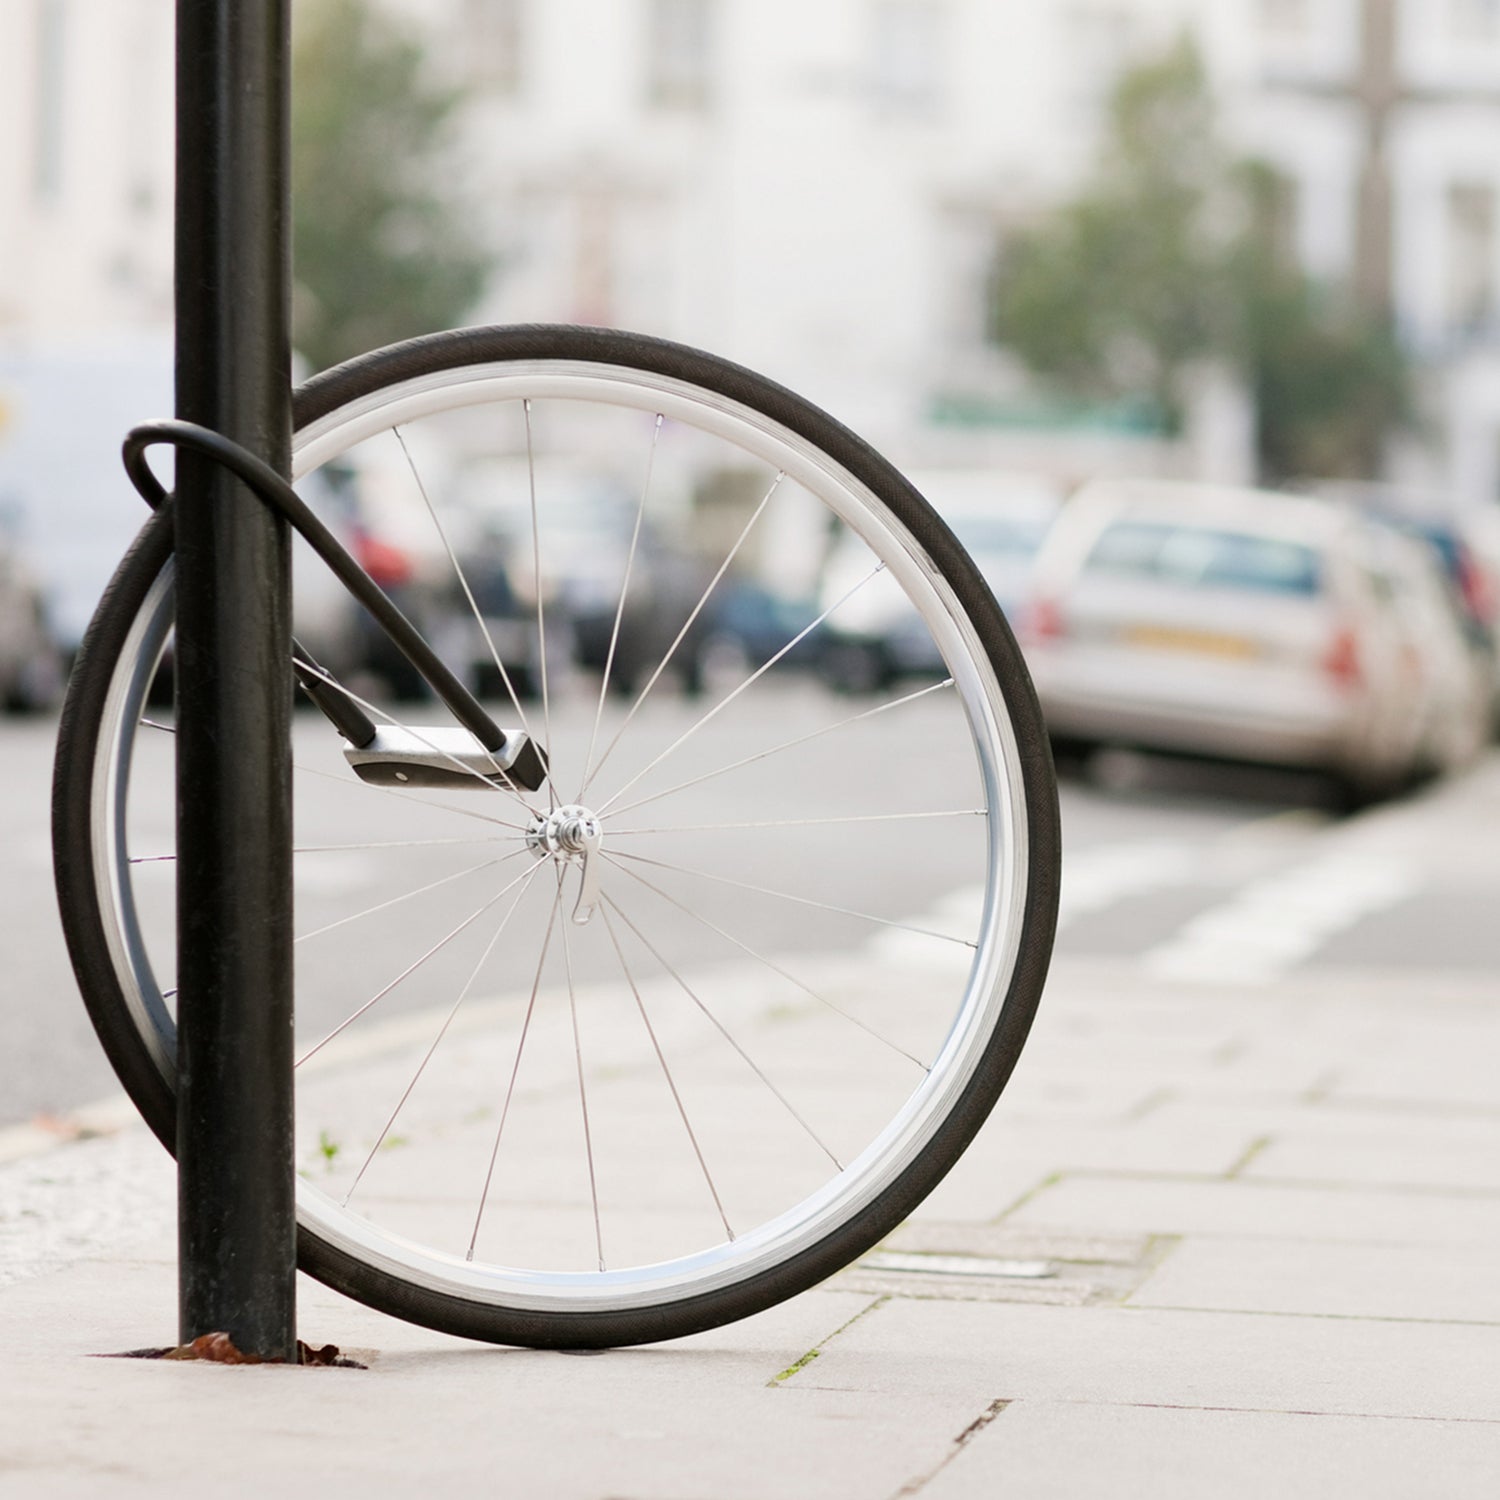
[[856, 667]]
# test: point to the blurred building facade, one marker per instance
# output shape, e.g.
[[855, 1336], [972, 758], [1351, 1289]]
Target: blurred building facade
[[85, 279], [86, 174], [814, 190], [1383, 117], [817, 189]]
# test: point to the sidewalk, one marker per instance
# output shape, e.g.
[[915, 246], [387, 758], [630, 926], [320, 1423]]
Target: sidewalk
[[1268, 1218]]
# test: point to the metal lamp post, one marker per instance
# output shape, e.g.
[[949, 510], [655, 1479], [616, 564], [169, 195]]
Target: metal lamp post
[[232, 663]]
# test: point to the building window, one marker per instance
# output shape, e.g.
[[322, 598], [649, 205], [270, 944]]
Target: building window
[[47, 151], [906, 64], [492, 44], [679, 53], [1286, 20], [1471, 255], [1474, 21], [965, 241], [1099, 40]]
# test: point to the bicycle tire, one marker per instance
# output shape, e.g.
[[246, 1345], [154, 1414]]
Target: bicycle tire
[[613, 377]]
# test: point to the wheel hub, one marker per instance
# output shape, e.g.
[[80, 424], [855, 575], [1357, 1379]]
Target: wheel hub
[[571, 835], [565, 833]]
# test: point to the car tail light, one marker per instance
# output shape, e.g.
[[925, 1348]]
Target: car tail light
[[1044, 620], [1341, 660], [388, 566], [1478, 589]]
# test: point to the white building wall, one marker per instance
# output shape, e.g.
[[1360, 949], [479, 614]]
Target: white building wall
[[86, 175], [806, 220]]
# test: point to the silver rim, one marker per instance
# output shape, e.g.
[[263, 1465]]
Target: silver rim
[[539, 852]]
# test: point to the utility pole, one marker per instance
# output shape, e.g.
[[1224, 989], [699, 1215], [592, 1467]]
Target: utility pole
[[1379, 96]]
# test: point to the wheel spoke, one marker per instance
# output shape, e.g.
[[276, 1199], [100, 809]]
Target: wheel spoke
[[583, 1097], [392, 844], [771, 964], [723, 1031], [729, 698], [421, 890], [687, 1124], [463, 581], [801, 739], [671, 651], [157, 859], [510, 1091], [761, 890], [957, 812], [614, 635], [412, 968], [409, 797], [463, 994], [541, 614]]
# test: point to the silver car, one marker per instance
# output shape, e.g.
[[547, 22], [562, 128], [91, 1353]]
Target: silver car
[[1227, 622], [874, 637]]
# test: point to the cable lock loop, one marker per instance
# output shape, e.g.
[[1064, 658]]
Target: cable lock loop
[[271, 489]]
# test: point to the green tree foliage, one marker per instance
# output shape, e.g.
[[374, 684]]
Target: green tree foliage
[[1329, 377], [1168, 257], [383, 247]]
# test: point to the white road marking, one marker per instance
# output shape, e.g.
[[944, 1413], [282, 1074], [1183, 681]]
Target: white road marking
[[1092, 880], [1096, 878], [1256, 935], [1275, 923]]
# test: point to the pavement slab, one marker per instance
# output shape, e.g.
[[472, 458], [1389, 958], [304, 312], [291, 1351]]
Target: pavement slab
[[1430, 1283], [1144, 1204], [1046, 1450], [1265, 1217], [1158, 1357], [703, 1416], [1453, 1159]]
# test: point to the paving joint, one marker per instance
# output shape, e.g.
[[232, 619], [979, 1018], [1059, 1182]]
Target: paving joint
[[779, 1380], [983, 1420]]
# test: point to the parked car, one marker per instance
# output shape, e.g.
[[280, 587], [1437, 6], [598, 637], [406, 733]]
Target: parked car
[[1453, 681], [31, 662], [585, 548], [750, 624], [1467, 550], [874, 636], [1229, 622]]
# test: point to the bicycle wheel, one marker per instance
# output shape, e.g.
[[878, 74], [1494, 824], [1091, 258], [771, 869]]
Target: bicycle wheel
[[701, 1018]]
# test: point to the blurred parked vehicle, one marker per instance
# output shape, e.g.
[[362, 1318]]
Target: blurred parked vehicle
[[325, 619], [874, 636], [1452, 681], [63, 411], [31, 662], [666, 585], [584, 551], [1463, 549], [752, 624], [1233, 623]]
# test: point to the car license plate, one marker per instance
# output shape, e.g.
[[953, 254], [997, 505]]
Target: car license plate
[[1201, 642]]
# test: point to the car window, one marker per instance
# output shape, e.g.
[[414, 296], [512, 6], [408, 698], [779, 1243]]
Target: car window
[[1207, 558], [1018, 535]]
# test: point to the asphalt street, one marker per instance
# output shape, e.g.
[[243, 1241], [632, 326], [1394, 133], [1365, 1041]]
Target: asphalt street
[[1181, 871]]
